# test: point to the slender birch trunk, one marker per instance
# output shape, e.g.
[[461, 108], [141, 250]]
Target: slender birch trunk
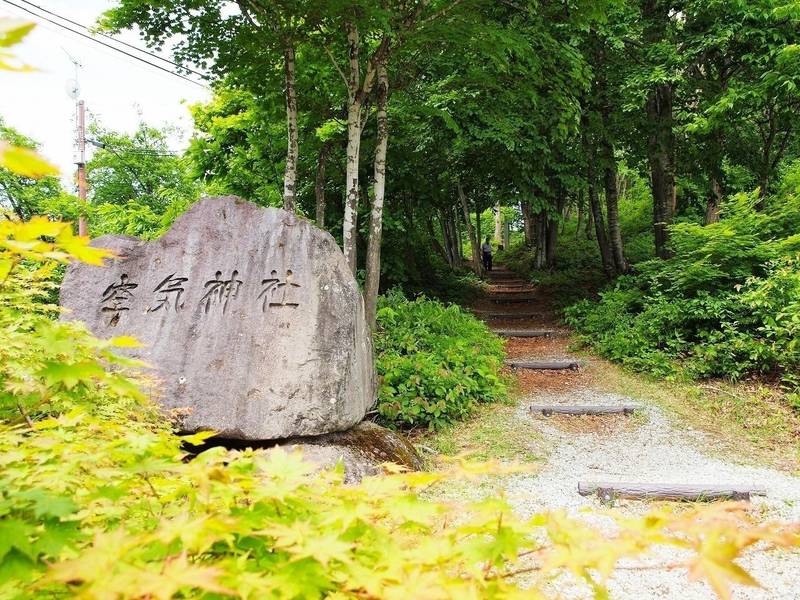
[[293, 151], [376, 216], [354, 103], [498, 224], [477, 263]]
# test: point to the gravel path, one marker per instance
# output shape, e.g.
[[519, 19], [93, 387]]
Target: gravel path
[[645, 448]]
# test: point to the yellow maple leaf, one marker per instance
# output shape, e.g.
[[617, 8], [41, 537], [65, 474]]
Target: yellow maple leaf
[[23, 161]]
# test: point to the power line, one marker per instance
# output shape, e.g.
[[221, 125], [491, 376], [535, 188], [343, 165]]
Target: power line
[[111, 37], [102, 43]]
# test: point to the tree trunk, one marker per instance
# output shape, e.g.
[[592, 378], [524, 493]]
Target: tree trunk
[[319, 183], [292, 153], [498, 224], [596, 215], [612, 208], [459, 238], [354, 104], [659, 131], [477, 263], [714, 200], [540, 227], [376, 215], [527, 224], [479, 232], [660, 156], [551, 243], [434, 240]]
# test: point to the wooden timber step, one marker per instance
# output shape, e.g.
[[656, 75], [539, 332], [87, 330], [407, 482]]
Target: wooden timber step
[[524, 333], [580, 410], [504, 277], [509, 299], [544, 365], [485, 314], [669, 491]]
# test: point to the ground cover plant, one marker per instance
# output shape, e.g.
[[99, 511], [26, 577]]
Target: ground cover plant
[[436, 362], [98, 501]]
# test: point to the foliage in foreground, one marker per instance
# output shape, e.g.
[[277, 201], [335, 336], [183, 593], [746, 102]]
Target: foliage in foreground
[[436, 362], [97, 499], [727, 304]]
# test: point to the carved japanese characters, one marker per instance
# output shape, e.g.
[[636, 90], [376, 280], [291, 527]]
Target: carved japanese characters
[[249, 317]]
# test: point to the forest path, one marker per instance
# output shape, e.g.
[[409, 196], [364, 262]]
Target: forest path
[[648, 447]]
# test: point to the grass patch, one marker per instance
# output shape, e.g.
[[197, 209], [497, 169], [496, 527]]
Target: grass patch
[[749, 420], [495, 432]]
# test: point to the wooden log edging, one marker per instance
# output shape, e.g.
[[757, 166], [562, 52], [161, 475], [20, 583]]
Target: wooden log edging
[[526, 333], [544, 365], [580, 410], [693, 492]]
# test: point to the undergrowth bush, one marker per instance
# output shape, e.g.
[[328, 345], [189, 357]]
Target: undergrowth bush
[[727, 304], [436, 362], [98, 499]]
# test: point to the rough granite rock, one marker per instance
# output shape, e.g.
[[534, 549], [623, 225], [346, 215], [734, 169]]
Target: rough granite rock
[[361, 449], [249, 316]]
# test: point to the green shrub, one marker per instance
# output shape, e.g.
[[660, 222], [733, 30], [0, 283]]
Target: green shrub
[[436, 362], [727, 304], [98, 497]]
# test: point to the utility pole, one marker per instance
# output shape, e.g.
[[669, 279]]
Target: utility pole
[[83, 228], [73, 89]]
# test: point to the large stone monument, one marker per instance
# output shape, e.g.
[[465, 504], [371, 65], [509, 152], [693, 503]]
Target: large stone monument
[[249, 316]]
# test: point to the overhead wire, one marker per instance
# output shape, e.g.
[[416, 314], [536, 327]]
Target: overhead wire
[[111, 37], [102, 43]]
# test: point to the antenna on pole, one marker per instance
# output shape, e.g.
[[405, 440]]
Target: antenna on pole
[[74, 91]]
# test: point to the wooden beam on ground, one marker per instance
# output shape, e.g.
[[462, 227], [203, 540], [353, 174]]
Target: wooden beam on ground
[[509, 299], [527, 333], [581, 410], [544, 365], [505, 315], [669, 491]]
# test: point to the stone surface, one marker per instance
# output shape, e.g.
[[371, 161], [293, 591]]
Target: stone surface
[[249, 316], [361, 449]]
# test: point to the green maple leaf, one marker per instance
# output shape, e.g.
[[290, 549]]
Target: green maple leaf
[[15, 534], [48, 505]]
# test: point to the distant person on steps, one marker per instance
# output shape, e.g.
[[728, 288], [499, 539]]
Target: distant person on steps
[[486, 252]]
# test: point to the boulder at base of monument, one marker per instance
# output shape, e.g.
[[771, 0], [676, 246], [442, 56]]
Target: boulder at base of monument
[[249, 316], [362, 450]]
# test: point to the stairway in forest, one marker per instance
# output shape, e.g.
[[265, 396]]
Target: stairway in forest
[[521, 312]]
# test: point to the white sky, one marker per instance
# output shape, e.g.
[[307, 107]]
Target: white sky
[[116, 88]]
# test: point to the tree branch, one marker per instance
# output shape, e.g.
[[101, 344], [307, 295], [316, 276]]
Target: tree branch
[[336, 66]]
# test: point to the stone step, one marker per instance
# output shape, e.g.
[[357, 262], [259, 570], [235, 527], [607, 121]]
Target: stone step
[[545, 365], [580, 410], [695, 492], [524, 333]]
